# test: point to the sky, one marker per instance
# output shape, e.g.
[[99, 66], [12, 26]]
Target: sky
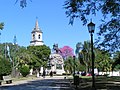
[[52, 21]]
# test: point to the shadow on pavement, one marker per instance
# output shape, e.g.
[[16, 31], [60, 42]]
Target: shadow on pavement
[[44, 84]]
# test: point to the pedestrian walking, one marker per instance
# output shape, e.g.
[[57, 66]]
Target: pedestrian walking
[[51, 74], [44, 73]]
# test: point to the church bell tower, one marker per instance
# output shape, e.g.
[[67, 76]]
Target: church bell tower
[[36, 35]]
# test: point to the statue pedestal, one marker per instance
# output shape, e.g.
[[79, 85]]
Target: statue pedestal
[[57, 63]]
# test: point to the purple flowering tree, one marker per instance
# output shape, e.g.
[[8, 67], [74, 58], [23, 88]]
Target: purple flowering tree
[[66, 52]]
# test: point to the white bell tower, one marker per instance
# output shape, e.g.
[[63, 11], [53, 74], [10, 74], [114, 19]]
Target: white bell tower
[[36, 35]]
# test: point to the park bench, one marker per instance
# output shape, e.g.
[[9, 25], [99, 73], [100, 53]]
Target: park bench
[[8, 79]]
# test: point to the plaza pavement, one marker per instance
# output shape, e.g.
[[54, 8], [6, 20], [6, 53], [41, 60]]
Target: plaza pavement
[[33, 79], [47, 83], [57, 83]]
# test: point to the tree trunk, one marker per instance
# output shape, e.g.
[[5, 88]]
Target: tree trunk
[[86, 68]]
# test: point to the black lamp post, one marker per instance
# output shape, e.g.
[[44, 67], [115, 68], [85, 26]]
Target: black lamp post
[[74, 65], [91, 29]]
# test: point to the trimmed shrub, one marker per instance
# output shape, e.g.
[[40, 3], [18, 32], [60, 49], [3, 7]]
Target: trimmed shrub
[[24, 70], [5, 67]]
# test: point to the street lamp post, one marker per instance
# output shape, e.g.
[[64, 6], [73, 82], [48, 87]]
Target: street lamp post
[[91, 28], [74, 65], [76, 78]]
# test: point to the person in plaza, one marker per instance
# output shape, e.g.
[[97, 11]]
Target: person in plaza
[[44, 73], [51, 74]]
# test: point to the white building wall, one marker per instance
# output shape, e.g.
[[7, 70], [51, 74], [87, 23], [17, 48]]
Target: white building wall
[[36, 43], [114, 73]]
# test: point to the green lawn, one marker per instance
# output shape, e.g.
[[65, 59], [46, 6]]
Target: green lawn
[[101, 83], [24, 78]]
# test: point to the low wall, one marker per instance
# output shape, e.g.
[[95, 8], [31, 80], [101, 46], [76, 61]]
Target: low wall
[[114, 73]]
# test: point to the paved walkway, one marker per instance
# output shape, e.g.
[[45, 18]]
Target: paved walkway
[[34, 79], [57, 83], [47, 83]]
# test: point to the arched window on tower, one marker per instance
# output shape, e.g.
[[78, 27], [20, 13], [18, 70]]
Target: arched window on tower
[[33, 36], [39, 36]]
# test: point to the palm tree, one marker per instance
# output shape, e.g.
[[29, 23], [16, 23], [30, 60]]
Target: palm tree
[[84, 55], [79, 46], [1, 26], [87, 54], [80, 57], [69, 65]]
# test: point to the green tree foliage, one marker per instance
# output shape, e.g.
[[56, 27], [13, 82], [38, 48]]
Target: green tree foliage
[[2, 48], [116, 68], [116, 59], [86, 52], [79, 66], [9, 54], [24, 70], [69, 65], [23, 3], [1, 25], [110, 22], [5, 67], [102, 60], [42, 53], [84, 55], [17, 55], [32, 56], [24, 56], [78, 47]]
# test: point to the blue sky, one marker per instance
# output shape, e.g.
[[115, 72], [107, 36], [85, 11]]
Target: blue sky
[[52, 21]]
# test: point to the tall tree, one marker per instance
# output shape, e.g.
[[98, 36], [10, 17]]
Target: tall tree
[[24, 57], [116, 62], [66, 52], [69, 65], [102, 60], [41, 52], [85, 55], [5, 67], [79, 46], [110, 23]]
